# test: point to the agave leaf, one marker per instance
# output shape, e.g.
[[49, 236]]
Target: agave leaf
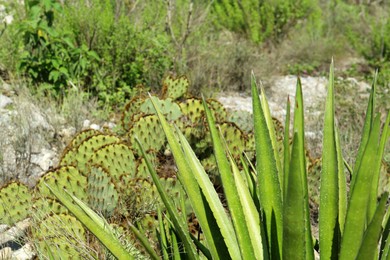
[[294, 215], [213, 236], [230, 189], [162, 236], [286, 148], [356, 217], [104, 235], [377, 169], [212, 198], [271, 129], [369, 247], [250, 180], [252, 217], [144, 242], [366, 129], [270, 191], [333, 187], [300, 130], [342, 182], [385, 243], [177, 220]]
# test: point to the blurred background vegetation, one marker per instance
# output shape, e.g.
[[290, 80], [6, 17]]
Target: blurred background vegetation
[[110, 49]]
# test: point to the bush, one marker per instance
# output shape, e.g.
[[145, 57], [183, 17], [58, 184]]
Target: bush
[[130, 52], [50, 55], [264, 20]]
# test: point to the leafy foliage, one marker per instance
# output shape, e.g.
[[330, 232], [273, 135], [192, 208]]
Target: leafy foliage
[[51, 55], [261, 21]]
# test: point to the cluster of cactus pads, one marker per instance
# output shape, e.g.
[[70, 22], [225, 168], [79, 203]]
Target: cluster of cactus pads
[[107, 171]]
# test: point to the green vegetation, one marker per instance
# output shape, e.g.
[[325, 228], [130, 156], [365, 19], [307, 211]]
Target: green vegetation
[[180, 176], [122, 176], [267, 217], [108, 49]]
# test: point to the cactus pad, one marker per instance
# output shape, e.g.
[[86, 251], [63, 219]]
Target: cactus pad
[[175, 88], [79, 156], [64, 177], [61, 236], [168, 108], [243, 119], [119, 161], [193, 110], [131, 108], [218, 110], [15, 203], [149, 132], [46, 206], [234, 138], [102, 194], [83, 135]]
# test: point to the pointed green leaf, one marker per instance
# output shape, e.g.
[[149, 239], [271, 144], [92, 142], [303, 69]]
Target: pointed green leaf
[[223, 221], [356, 217], [252, 217], [294, 210], [213, 236], [300, 131], [369, 246], [332, 184], [377, 169], [106, 237], [230, 189], [270, 192], [286, 148], [180, 225], [366, 128]]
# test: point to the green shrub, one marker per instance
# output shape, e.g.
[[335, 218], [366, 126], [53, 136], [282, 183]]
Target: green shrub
[[51, 55], [264, 20], [130, 52]]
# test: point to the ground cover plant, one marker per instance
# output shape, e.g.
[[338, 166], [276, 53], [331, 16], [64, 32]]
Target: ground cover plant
[[264, 212]]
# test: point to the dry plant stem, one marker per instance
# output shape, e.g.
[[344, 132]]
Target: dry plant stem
[[168, 24]]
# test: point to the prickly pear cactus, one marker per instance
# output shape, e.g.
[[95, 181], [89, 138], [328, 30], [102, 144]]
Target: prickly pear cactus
[[102, 193], [209, 164], [80, 155], [119, 161], [234, 137], [142, 169], [63, 177], [44, 206], [15, 203], [175, 88], [80, 137], [131, 108], [250, 147], [168, 108], [144, 193], [243, 119], [193, 110], [61, 236], [149, 132], [218, 110]]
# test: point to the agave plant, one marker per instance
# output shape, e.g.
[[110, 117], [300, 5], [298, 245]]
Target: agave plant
[[267, 212]]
